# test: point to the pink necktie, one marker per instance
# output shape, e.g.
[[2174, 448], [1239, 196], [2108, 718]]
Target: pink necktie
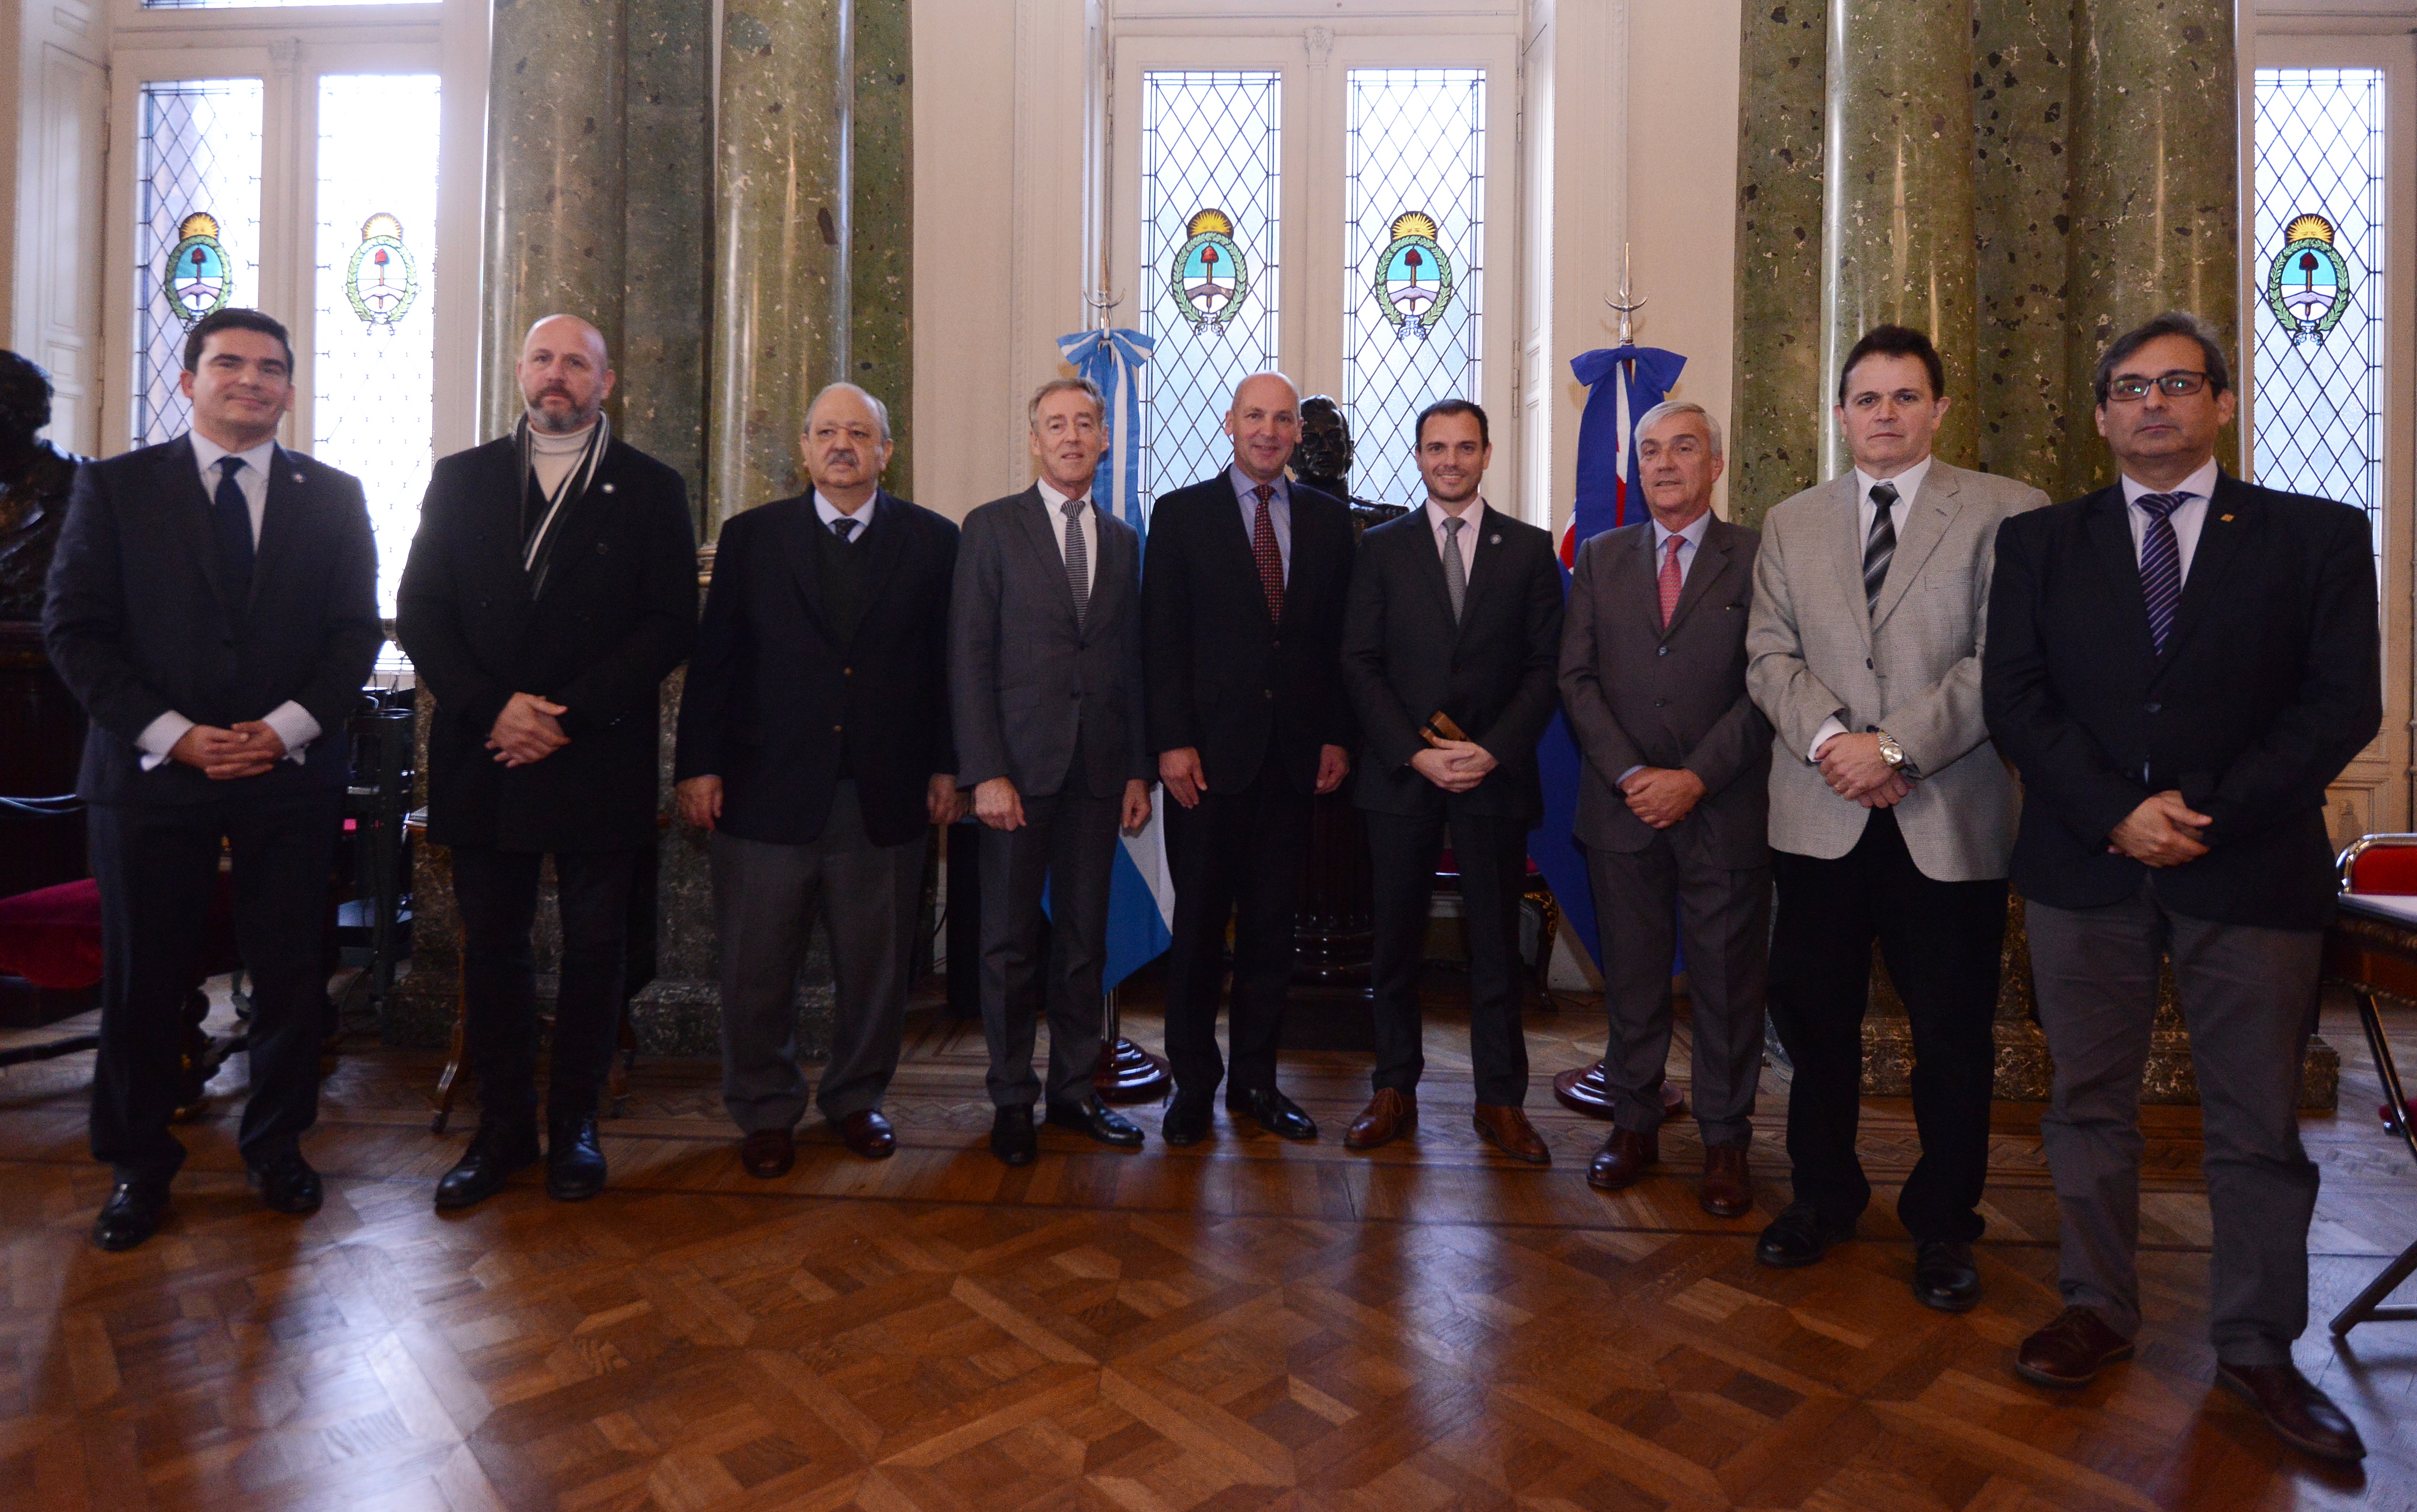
[[1671, 580]]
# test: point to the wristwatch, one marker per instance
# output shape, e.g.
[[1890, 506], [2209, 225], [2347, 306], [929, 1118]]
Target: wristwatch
[[1890, 752]]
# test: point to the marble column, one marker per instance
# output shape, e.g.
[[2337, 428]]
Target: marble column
[[2021, 114], [1775, 406], [667, 226], [2155, 192], [1897, 228], [881, 330]]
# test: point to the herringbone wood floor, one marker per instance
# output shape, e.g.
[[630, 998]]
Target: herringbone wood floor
[[1246, 1324]]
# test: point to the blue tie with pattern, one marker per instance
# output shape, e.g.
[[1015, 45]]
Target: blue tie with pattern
[[2161, 564], [230, 523]]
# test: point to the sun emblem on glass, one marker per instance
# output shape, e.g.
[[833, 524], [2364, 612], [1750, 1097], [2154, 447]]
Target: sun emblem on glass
[[198, 280], [381, 281], [1413, 276], [1208, 276], [2308, 285]]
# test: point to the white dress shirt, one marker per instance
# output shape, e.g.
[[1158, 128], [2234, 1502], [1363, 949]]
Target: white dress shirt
[[1279, 512], [1692, 536], [2187, 519], [1056, 503], [833, 514], [1908, 487], [1475, 515]]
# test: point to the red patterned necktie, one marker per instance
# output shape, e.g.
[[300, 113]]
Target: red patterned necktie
[[1265, 552], [1671, 580]]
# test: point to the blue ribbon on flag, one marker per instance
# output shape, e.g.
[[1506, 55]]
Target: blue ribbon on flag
[[1606, 456], [1113, 360]]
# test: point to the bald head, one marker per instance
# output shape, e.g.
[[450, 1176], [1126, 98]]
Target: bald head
[[565, 375], [1264, 425]]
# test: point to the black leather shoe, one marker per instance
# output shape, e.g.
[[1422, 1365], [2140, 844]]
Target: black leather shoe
[[131, 1215], [1275, 1112], [1100, 1121], [2301, 1416], [1799, 1236], [1944, 1276], [288, 1185], [1011, 1135], [495, 1152], [574, 1160], [1187, 1120]]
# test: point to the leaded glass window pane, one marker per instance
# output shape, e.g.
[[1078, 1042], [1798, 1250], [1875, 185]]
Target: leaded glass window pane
[[196, 229], [1413, 280], [2319, 311], [373, 377], [1209, 177]]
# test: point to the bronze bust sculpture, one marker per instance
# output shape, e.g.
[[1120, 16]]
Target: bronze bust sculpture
[[1323, 461], [35, 480]]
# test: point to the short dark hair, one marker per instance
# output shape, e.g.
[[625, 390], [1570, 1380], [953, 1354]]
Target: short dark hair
[[234, 318], [1450, 406], [2172, 322], [1895, 342]]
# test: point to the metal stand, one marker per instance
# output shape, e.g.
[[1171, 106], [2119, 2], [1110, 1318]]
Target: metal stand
[[1126, 1072], [2368, 1305]]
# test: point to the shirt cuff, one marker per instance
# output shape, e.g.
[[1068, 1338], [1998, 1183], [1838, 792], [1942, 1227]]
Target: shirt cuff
[[295, 726], [1623, 777], [160, 737], [1831, 726]]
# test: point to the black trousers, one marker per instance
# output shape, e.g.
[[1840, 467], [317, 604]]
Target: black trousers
[[1940, 940], [496, 892], [1492, 853], [157, 868], [1066, 850], [1235, 854]]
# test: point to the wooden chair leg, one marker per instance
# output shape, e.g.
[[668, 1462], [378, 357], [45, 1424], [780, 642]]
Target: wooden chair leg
[[2367, 1306], [445, 1078]]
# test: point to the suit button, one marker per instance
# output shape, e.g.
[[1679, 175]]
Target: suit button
[[2151, 708], [835, 729], [1660, 650], [1271, 693], [1867, 664], [847, 672], [1275, 645], [1659, 703]]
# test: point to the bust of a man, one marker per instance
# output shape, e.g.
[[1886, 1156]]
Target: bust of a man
[[1323, 460], [35, 479]]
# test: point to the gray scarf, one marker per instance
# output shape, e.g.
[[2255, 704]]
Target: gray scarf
[[538, 535]]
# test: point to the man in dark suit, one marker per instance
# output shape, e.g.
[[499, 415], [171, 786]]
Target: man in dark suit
[[813, 743], [1672, 802], [2178, 665], [1243, 594], [1044, 691], [551, 589], [1450, 646], [213, 605]]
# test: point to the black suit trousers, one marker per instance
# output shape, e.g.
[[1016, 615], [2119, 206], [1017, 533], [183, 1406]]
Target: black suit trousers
[[496, 892], [1940, 941], [157, 864], [1492, 853], [1233, 855]]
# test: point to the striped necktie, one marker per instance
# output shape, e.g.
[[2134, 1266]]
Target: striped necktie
[[1078, 560], [2161, 564], [1881, 548]]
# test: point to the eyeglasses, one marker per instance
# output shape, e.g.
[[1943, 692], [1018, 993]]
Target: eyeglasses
[[2176, 386]]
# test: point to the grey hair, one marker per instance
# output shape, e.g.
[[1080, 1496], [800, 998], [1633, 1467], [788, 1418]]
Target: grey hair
[[880, 411], [1669, 407], [1099, 401], [2172, 322]]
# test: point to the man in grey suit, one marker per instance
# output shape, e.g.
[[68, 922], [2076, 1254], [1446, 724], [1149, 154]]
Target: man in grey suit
[[1045, 689], [1672, 802], [1890, 815]]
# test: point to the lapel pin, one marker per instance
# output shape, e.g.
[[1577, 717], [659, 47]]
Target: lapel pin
[[297, 478], [608, 488], [1494, 540], [2226, 519]]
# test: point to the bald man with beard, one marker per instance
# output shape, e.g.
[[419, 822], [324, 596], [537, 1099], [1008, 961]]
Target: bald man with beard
[[551, 589]]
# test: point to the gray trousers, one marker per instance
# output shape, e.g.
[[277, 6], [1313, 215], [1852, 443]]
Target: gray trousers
[[1643, 901], [2245, 995], [766, 899], [1067, 847]]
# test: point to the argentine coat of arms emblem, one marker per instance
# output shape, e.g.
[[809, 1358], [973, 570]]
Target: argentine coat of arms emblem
[[2308, 285], [381, 281], [1208, 276], [1413, 277], [199, 278]]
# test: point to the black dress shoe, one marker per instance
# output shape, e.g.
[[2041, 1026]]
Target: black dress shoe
[[1799, 1236], [288, 1185], [1187, 1120], [1097, 1119], [1011, 1137], [2301, 1416], [496, 1151], [1944, 1276], [574, 1160], [1275, 1112], [131, 1215]]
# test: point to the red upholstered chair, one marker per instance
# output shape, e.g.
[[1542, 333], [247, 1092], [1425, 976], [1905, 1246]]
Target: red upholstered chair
[[51, 937], [2372, 950]]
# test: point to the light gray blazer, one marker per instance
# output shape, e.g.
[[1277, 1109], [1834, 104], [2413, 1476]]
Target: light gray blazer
[[1911, 667]]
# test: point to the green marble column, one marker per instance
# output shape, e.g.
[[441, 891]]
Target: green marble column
[[667, 226], [1897, 208], [1775, 406], [881, 339], [2021, 113], [2155, 192]]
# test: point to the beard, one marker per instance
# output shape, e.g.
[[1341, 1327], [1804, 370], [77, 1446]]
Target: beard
[[578, 418]]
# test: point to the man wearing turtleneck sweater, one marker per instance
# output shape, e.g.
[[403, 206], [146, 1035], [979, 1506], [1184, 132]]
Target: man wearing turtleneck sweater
[[551, 589]]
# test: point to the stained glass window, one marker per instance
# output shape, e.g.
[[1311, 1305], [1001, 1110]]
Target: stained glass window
[[196, 229], [1209, 177], [2319, 312], [1414, 209], [373, 373]]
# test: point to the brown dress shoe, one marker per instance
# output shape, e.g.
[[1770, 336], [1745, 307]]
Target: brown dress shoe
[[1387, 1118], [1508, 1130], [1727, 1191], [1622, 1159], [2299, 1414], [2069, 1352], [868, 1133], [768, 1152]]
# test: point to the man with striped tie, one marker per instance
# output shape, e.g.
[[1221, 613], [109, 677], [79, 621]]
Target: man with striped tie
[[2177, 664], [1890, 815]]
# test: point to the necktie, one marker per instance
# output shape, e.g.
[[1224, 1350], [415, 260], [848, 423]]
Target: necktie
[[1881, 548], [1455, 572], [2161, 564], [1670, 580], [1078, 561], [844, 527], [1270, 557], [230, 523]]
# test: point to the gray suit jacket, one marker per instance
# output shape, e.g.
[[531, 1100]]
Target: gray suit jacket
[[1638, 694], [1911, 667], [1024, 677]]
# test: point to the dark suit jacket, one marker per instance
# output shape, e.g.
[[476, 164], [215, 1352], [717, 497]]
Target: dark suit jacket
[[1639, 695], [1024, 677], [138, 623], [1222, 677], [2268, 685], [1403, 659], [617, 614], [773, 691]]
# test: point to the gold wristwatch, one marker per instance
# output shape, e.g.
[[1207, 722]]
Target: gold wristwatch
[[1890, 752]]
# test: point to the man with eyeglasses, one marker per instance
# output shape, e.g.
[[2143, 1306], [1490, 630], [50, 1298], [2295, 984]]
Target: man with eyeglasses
[[2177, 664]]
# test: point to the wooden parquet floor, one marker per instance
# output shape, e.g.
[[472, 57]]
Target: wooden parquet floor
[[1248, 1323]]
